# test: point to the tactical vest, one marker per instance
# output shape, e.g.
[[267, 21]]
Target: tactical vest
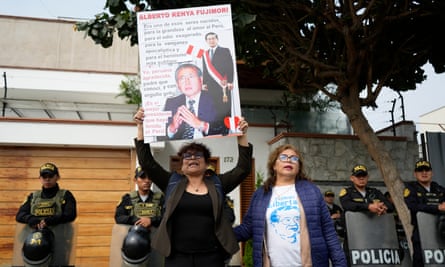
[[45, 207], [141, 209]]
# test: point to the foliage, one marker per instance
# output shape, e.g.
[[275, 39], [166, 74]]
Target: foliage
[[130, 89], [119, 17], [259, 179], [352, 44], [248, 250], [248, 254]]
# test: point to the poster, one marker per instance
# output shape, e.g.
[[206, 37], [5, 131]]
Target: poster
[[189, 83]]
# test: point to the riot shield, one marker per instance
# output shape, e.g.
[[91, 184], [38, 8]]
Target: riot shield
[[433, 245], [119, 233], [64, 244], [372, 240]]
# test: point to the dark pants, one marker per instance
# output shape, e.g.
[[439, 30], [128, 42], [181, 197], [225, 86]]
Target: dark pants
[[417, 249], [417, 255], [207, 259]]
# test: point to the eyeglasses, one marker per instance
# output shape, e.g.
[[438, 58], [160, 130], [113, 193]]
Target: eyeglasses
[[286, 158], [196, 155]]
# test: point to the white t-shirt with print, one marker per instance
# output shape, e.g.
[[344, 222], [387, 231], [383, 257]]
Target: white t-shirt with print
[[283, 219]]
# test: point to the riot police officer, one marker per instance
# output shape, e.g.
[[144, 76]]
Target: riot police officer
[[142, 208], [46, 208], [336, 212], [362, 198], [423, 195]]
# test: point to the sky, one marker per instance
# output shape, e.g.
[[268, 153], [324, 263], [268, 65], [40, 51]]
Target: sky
[[429, 96]]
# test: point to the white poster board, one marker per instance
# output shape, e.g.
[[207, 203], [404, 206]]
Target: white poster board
[[171, 38]]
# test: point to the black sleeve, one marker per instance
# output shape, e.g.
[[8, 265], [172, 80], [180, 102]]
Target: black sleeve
[[24, 213], [154, 170], [349, 205], [231, 179], [122, 214], [413, 202], [69, 211], [337, 209]]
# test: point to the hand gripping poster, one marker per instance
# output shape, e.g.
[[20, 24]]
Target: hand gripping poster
[[189, 82]]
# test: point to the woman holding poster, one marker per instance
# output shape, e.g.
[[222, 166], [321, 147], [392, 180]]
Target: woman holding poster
[[195, 230]]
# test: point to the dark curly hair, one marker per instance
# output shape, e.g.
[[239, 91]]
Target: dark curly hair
[[195, 147], [273, 156]]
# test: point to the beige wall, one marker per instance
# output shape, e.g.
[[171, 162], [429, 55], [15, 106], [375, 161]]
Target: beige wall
[[433, 121], [62, 49]]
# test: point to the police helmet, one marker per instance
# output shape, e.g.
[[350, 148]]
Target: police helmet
[[38, 247], [136, 246]]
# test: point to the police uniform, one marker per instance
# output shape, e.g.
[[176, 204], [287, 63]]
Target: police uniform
[[132, 207], [334, 208], [353, 200], [53, 205], [418, 198], [136, 247]]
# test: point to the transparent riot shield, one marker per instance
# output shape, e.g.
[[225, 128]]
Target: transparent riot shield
[[119, 233], [63, 249], [372, 240], [433, 245]]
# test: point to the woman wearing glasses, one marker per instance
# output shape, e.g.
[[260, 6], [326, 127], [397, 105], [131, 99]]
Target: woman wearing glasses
[[194, 231], [288, 220]]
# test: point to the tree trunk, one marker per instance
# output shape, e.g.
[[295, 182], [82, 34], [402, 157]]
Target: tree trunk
[[382, 158]]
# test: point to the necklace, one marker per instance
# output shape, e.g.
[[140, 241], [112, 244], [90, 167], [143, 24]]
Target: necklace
[[195, 188]]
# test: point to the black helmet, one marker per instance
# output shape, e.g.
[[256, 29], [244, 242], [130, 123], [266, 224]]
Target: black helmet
[[136, 246], [38, 247]]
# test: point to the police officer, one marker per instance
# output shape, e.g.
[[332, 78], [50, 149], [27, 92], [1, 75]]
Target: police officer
[[49, 206], [141, 207], [426, 196], [335, 211], [44, 209], [362, 198]]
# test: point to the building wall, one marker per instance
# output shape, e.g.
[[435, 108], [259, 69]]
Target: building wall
[[329, 159], [433, 121], [54, 45]]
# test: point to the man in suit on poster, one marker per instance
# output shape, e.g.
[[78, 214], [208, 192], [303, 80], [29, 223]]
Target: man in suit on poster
[[194, 114], [218, 74]]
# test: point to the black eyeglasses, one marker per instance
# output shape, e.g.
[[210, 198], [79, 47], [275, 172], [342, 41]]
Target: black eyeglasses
[[196, 155], [286, 158]]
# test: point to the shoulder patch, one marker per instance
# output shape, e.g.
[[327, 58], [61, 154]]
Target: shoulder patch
[[342, 192], [406, 192]]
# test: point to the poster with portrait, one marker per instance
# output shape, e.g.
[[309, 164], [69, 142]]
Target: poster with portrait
[[189, 83]]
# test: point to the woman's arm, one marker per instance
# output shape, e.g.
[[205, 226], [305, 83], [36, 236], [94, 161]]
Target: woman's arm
[[146, 160]]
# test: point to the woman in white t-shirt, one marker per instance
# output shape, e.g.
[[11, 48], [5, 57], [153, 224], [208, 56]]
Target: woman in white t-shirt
[[288, 220]]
